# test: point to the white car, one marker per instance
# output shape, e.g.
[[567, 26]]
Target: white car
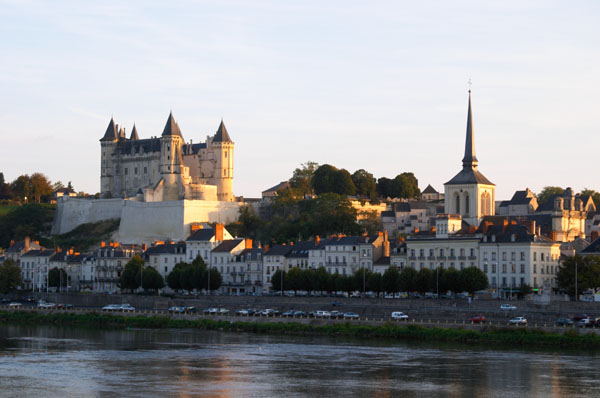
[[507, 307], [322, 314], [111, 307], [398, 315], [126, 307], [518, 321], [15, 304]]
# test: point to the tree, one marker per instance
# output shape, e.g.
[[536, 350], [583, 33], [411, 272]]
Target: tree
[[588, 274], [390, 280], [546, 192], [329, 179], [423, 280], [371, 222], [302, 178], [365, 184], [249, 221], [321, 280], [472, 279], [407, 280], [215, 280], [129, 280], [407, 186], [58, 185], [57, 277], [40, 187], [293, 280], [359, 279], [173, 278], [343, 183], [384, 187], [20, 187], [4, 189], [150, 279], [330, 213], [449, 280], [10, 276], [524, 290], [276, 280], [374, 283]]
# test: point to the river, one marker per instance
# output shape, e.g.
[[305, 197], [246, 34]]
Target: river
[[47, 361]]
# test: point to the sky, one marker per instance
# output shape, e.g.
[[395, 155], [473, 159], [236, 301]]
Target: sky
[[374, 85]]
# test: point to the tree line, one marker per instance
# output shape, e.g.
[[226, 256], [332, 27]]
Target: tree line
[[135, 276], [583, 269], [194, 276], [10, 276], [470, 279], [314, 179]]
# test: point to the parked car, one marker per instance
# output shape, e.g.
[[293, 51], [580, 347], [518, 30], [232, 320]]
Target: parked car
[[564, 322], [351, 315], [242, 312], [585, 322], [288, 314], [223, 311], [322, 314], [127, 308], [507, 307], [269, 312], [211, 311], [190, 310], [15, 304], [177, 310], [478, 319], [300, 314], [111, 307], [518, 321], [578, 317], [398, 315], [336, 314]]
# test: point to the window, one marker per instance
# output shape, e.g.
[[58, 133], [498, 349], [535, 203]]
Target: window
[[166, 269], [125, 170], [503, 268], [462, 252], [467, 205], [493, 267], [421, 252], [165, 260], [145, 170], [431, 253], [542, 256], [512, 256], [513, 268], [534, 256], [457, 204], [442, 252], [412, 252], [522, 256], [135, 170], [535, 268], [452, 252], [503, 256], [485, 268], [522, 268], [472, 251], [493, 256]]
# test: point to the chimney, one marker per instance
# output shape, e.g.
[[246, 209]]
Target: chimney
[[416, 230], [380, 234], [196, 226], [58, 249], [144, 247], [71, 251], [386, 248], [554, 235], [594, 235], [219, 232], [12, 243], [116, 245], [385, 236], [317, 240], [248, 243], [102, 244], [266, 248]]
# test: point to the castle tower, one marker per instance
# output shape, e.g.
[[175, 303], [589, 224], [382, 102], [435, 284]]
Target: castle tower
[[469, 193], [108, 144], [223, 177], [171, 160]]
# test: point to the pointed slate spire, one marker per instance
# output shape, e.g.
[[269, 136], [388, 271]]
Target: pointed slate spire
[[470, 160], [111, 132], [222, 135], [171, 128], [134, 134]]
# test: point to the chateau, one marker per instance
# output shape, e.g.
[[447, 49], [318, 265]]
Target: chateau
[[166, 168]]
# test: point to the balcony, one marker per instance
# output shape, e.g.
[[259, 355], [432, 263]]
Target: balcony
[[430, 257], [451, 257], [441, 257], [421, 258], [472, 258], [412, 257]]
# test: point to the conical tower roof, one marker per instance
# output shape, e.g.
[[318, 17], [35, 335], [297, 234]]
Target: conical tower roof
[[111, 132], [470, 160], [134, 134], [221, 134], [171, 128]]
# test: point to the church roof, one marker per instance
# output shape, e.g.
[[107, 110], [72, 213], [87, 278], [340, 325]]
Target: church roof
[[111, 132], [147, 145], [134, 134], [429, 189], [171, 128], [469, 176], [222, 135]]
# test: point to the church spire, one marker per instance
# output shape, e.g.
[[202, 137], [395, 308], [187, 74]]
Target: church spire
[[470, 160], [134, 134]]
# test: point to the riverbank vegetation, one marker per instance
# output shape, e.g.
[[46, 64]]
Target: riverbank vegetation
[[523, 337]]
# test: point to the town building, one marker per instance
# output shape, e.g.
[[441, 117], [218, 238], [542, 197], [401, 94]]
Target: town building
[[429, 194], [17, 249], [109, 264], [163, 256], [34, 269], [224, 258]]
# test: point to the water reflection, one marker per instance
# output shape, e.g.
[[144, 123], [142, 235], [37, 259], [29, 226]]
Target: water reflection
[[62, 362]]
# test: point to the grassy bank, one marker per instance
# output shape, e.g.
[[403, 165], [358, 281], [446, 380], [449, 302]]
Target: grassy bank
[[514, 337]]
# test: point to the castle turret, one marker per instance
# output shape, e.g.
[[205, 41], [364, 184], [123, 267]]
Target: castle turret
[[171, 159], [108, 144], [223, 177]]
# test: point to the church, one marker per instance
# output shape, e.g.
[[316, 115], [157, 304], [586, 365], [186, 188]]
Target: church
[[469, 193], [166, 168]]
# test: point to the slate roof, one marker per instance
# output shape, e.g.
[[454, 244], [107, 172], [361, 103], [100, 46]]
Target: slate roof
[[522, 197], [38, 253], [429, 189], [134, 134], [383, 260], [222, 135], [469, 176], [281, 185], [578, 244], [300, 249], [227, 245], [202, 235], [147, 145], [251, 254], [166, 248], [387, 213], [195, 148], [171, 128], [402, 207], [111, 132], [593, 248], [278, 250], [20, 246]]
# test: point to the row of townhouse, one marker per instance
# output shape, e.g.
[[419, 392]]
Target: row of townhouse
[[510, 254]]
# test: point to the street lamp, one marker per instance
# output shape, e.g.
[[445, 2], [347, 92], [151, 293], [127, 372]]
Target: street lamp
[[576, 295]]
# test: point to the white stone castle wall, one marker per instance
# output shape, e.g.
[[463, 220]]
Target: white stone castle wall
[[72, 212]]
